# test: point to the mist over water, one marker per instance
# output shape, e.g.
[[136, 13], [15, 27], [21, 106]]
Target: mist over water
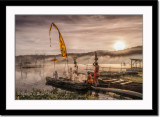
[[28, 79]]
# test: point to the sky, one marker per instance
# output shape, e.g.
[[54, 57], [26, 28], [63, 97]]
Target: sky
[[81, 33]]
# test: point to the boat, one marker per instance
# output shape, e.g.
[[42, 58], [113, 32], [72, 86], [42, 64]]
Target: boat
[[82, 87], [103, 86], [31, 66], [67, 84]]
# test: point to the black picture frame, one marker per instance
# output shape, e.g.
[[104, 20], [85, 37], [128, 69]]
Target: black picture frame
[[152, 3]]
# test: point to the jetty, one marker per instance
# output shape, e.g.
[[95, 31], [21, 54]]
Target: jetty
[[82, 87]]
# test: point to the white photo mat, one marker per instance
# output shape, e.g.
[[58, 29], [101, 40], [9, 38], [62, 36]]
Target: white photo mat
[[145, 103]]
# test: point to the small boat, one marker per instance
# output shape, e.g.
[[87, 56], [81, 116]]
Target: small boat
[[67, 84], [32, 66]]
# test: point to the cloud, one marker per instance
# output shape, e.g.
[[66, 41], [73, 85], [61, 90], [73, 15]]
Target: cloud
[[88, 32]]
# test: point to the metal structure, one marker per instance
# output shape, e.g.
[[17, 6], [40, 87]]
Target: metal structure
[[136, 64]]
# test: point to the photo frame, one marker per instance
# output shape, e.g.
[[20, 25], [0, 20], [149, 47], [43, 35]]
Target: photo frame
[[147, 106]]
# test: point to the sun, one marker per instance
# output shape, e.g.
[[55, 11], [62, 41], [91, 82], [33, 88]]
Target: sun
[[119, 45]]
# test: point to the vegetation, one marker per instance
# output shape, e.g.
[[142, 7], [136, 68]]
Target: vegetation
[[53, 95], [138, 78]]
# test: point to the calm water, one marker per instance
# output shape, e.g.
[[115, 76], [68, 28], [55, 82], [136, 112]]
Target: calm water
[[34, 78]]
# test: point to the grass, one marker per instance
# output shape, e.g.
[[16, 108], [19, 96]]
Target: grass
[[138, 78], [53, 95]]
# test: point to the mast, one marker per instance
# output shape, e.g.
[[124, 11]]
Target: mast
[[96, 58]]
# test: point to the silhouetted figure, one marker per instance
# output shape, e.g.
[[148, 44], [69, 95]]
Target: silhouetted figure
[[55, 75], [96, 73], [70, 73]]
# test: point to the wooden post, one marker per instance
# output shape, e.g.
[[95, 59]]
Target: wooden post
[[121, 66], [131, 63], [96, 58]]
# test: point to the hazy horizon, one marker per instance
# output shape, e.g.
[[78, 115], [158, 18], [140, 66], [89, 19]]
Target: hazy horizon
[[119, 51]]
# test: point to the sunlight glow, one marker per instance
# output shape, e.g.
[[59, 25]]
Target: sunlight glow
[[119, 45]]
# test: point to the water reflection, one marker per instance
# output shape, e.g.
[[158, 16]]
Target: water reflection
[[96, 94], [28, 79], [89, 93], [93, 93]]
